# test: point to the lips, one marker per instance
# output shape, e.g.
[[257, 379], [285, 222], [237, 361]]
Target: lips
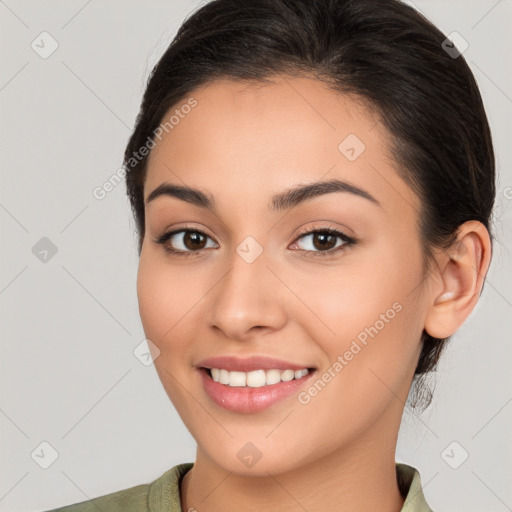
[[233, 363], [246, 399]]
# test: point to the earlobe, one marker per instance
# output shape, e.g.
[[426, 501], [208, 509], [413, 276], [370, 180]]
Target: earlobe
[[461, 274]]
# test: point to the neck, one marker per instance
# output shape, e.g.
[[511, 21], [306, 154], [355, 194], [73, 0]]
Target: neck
[[360, 477]]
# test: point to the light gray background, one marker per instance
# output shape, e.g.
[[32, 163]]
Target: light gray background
[[69, 326]]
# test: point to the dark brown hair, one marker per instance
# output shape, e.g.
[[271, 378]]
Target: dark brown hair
[[381, 50]]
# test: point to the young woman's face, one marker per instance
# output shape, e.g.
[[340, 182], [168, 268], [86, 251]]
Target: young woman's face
[[259, 277]]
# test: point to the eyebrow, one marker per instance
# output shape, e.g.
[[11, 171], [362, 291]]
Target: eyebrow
[[282, 201]]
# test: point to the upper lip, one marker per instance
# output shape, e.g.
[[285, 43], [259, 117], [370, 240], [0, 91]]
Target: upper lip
[[248, 364]]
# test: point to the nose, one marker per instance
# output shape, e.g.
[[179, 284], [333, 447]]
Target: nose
[[249, 299]]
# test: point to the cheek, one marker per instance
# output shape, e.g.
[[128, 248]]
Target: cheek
[[367, 287], [156, 300], [384, 325], [367, 312], [164, 300], [165, 295], [170, 307]]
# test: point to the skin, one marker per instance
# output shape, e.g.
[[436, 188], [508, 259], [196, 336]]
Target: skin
[[242, 144]]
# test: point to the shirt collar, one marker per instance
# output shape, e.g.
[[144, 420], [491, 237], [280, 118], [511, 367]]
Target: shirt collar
[[166, 489], [409, 484]]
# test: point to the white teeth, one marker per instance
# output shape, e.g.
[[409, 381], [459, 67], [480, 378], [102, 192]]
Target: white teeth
[[273, 376], [287, 375], [256, 378], [237, 378], [223, 376]]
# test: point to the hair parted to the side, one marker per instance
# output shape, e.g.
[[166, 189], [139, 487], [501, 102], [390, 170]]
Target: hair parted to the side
[[383, 51]]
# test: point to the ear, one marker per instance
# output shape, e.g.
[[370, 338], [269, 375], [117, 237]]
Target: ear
[[461, 272]]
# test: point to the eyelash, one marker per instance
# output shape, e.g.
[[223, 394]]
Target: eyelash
[[349, 241]]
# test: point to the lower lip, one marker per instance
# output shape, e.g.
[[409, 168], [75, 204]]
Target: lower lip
[[247, 399]]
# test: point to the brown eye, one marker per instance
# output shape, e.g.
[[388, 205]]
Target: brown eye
[[193, 240], [185, 241], [323, 242]]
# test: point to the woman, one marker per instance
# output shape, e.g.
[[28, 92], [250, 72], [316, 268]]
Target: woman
[[312, 184]]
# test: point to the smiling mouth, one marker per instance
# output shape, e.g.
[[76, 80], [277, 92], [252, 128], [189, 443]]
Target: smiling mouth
[[256, 378]]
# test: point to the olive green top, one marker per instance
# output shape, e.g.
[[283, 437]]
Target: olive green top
[[163, 495]]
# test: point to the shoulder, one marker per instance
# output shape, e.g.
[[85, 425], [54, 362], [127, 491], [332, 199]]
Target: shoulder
[[130, 500], [160, 495]]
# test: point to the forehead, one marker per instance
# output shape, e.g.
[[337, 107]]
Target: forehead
[[265, 137]]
